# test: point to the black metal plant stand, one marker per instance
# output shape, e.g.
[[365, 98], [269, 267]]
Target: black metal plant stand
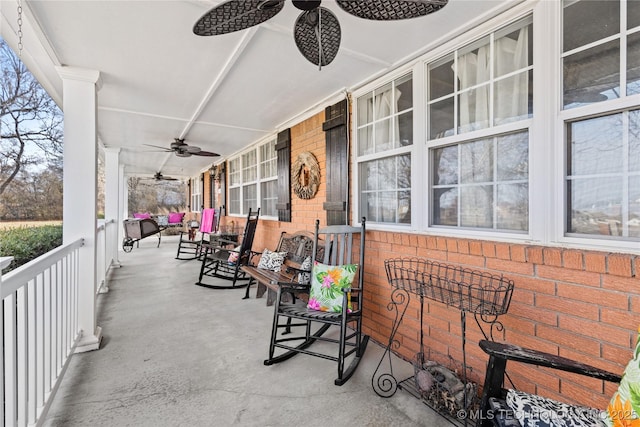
[[484, 295]]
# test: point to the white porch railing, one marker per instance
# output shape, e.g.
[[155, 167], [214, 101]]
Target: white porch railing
[[40, 331]]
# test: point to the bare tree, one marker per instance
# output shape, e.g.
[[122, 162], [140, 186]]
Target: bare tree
[[30, 121]]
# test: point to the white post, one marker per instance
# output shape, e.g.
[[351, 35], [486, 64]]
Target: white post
[[112, 202], [80, 186], [124, 202]]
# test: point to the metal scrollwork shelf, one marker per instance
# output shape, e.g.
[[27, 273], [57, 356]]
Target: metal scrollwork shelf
[[484, 295]]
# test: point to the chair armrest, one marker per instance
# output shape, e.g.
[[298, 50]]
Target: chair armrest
[[538, 358]]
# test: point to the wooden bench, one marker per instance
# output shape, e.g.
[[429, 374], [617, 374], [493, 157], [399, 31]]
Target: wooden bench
[[298, 246]]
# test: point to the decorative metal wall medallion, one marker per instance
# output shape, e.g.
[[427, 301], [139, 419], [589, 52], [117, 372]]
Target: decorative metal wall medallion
[[306, 175]]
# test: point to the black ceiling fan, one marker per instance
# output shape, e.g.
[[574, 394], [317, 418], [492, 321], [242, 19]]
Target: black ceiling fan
[[159, 177], [316, 31], [182, 149]]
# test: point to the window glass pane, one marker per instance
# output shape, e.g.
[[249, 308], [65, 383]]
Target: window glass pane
[[369, 175], [385, 134], [234, 171], [476, 161], [634, 141], [445, 206], [633, 13], [269, 198], [385, 189], [595, 145], [513, 98], [249, 166], [592, 75], [594, 206], [404, 92], [268, 165], [476, 206], [473, 108], [512, 208], [405, 129], [490, 193], [441, 118], [445, 165], [513, 51], [634, 206], [580, 28], [404, 207], [234, 200], [474, 64], [250, 197], [633, 64], [365, 140], [384, 102], [441, 78], [365, 109], [513, 157]]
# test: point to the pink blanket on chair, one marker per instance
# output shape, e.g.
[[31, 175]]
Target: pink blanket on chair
[[208, 216]]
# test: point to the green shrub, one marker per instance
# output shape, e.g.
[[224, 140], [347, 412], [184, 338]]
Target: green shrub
[[27, 243]]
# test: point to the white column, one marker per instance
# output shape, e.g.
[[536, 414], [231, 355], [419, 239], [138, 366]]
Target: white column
[[112, 212], [80, 186], [124, 202]]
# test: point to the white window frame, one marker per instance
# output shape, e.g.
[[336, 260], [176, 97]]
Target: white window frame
[[565, 116], [266, 179], [547, 153], [196, 195]]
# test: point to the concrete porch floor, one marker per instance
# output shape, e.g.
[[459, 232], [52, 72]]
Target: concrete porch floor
[[177, 354]]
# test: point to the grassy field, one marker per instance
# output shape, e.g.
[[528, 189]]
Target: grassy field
[[17, 224]]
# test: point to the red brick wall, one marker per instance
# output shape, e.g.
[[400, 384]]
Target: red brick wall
[[576, 303]]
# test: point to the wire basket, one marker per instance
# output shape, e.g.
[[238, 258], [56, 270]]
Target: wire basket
[[468, 290]]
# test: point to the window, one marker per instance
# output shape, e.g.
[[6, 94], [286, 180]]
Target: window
[[235, 196], [268, 179], [385, 139], [601, 74], [253, 178], [196, 196], [486, 83], [482, 182]]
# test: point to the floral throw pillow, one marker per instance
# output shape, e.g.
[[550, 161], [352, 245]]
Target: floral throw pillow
[[304, 278], [271, 260], [328, 284], [624, 406]]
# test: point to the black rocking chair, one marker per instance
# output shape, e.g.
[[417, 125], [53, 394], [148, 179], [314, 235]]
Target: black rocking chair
[[189, 245], [221, 260], [295, 326]]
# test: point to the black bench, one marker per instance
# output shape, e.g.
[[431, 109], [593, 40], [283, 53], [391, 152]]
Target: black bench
[[298, 246]]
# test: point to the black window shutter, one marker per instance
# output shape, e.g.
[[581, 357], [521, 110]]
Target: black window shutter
[[283, 151], [335, 128]]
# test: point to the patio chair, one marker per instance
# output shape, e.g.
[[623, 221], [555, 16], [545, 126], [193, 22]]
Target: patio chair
[[331, 296], [220, 259], [502, 407], [189, 245]]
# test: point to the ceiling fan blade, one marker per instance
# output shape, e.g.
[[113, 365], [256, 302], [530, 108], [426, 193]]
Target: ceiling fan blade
[[236, 15], [391, 10], [191, 149], [162, 148], [206, 154], [317, 35]]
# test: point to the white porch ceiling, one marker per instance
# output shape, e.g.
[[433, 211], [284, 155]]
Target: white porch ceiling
[[221, 93]]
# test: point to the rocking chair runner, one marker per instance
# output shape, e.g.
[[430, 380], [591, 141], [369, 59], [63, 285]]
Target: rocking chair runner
[[294, 323], [189, 247], [220, 259]]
